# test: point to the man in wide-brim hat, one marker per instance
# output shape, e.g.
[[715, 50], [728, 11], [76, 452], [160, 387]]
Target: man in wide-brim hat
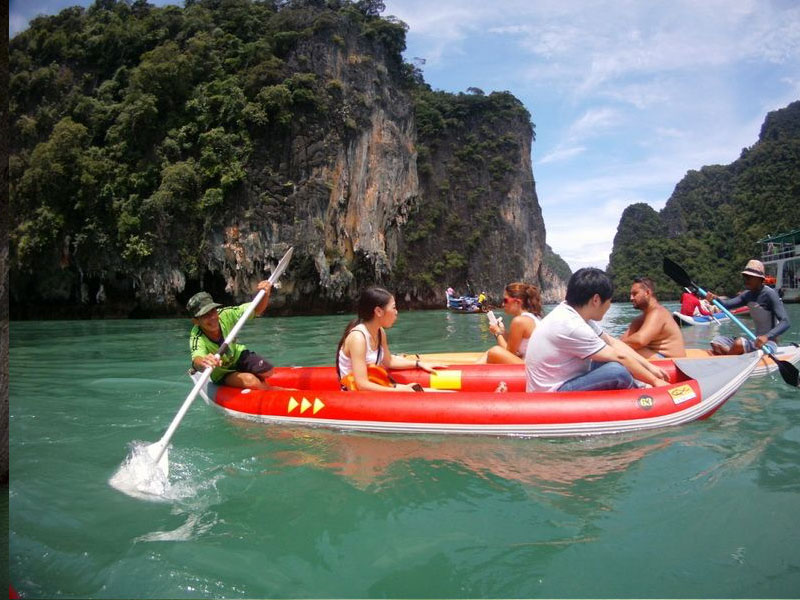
[[766, 309]]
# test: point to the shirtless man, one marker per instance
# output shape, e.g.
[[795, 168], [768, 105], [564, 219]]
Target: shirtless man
[[654, 334]]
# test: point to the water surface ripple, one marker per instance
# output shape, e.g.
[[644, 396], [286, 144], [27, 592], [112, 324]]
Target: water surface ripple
[[704, 510]]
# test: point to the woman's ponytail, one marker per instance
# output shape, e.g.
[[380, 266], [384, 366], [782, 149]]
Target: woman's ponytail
[[528, 294]]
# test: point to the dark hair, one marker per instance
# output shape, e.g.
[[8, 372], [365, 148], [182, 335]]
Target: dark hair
[[529, 294], [370, 299], [646, 282], [587, 282]]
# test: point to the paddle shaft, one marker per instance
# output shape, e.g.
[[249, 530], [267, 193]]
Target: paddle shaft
[[678, 274]]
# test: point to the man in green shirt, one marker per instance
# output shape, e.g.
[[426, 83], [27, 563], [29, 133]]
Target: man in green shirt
[[238, 367]]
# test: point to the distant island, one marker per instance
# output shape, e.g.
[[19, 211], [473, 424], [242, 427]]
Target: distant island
[[715, 216]]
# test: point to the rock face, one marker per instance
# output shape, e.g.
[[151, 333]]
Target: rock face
[[373, 179], [478, 224], [554, 274], [345, 191]]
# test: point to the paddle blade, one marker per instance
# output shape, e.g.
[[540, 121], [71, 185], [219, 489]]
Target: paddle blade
[[140, 476], [281, 265], [675, 272], [787, 370]]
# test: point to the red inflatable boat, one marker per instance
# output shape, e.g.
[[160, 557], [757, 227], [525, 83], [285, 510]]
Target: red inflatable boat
[[697, 388]]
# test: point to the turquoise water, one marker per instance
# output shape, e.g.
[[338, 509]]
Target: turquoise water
[[704, 510]]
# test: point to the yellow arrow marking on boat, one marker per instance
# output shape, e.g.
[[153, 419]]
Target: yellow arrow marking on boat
[[293, 404], [318, 405], [682, 394], [304, 405], [446, 380]]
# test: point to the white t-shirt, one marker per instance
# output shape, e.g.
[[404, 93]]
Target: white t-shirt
[[560, 348]]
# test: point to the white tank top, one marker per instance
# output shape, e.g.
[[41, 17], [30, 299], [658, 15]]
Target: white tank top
[[373, 354], [523, 345]]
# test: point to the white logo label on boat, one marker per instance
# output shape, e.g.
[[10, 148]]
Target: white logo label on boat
[[682, 394]]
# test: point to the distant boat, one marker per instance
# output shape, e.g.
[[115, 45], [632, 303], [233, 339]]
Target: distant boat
[[715, 319], [781, 257], [463, 304]]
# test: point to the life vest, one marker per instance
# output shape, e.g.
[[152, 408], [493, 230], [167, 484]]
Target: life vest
[[376, 374]]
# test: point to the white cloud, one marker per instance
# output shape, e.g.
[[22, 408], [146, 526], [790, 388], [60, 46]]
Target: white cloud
[[632, 50], [642, 95], [793, 85], [671, 132], [561, 154], [581, 243], [566, 193], [549, 42], [592, 122], [441, 26]]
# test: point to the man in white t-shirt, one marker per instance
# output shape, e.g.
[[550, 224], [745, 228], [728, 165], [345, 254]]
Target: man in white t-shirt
[[569, 351]]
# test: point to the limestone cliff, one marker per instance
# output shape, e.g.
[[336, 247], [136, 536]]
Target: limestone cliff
[[478, 224], [320, 138], [554, 275]]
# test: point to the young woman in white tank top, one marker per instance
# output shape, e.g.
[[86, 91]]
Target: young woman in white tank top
[[523, 303], [364, 342], [373, 353]]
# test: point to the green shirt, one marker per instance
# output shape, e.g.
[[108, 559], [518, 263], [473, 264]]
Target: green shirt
[[201, 345]]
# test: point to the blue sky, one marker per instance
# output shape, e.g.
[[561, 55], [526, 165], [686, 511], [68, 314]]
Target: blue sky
[[626, 95]]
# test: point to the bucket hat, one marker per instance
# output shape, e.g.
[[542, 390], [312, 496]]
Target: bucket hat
[[200, 304]]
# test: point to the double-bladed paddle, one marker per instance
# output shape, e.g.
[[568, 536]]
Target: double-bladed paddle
[[677, 273], [158, 451]]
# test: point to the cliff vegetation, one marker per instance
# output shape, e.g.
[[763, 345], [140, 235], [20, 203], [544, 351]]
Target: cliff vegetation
[[715, 216], [156, 151]]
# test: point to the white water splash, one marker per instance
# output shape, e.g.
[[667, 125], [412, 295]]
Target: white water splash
[[140, 477], [194, 527]]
